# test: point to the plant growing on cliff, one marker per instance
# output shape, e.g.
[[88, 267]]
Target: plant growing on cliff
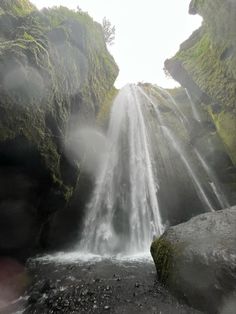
[[109, 31]]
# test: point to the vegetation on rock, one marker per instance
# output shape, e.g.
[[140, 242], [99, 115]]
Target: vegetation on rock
[[196, 259], [206, 65], [55, 71]]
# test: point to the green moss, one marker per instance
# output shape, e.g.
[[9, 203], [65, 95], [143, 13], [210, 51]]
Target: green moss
[[163, 253], [208, 58], [29, 37], [104, 112], [73, 76], [58, 15], [203, 63], [225, 123], [17, 7]]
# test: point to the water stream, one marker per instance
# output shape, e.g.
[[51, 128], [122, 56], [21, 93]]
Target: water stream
[[145, 171], [124, 213]]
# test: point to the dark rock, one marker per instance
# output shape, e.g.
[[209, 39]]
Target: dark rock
[[34, 297], [205, 65], [197, 259], [55, 73]]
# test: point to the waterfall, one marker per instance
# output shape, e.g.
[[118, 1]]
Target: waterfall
[[123, 214], [151, 176], [214, 184], [183, 154], [195, 112]]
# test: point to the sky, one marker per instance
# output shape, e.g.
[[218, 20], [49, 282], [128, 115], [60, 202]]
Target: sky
[[147, 33]]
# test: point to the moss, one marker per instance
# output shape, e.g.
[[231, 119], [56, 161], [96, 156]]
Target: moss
[[206, 64], [47, 78], [104, 112], [225, 122], [203, 62], [163, 253], [29, 37], [57, 15], [17, 7]]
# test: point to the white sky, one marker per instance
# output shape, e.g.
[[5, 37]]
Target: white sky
[[147, 33]]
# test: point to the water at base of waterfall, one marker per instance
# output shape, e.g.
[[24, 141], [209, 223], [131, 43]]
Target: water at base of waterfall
[[123, 214], [145, 155], [98, 286]]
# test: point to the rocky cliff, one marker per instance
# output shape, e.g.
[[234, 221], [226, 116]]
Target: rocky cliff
[[55, 73], [196, 259], [206, 66]]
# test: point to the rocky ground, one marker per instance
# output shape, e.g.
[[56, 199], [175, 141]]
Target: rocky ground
[[98, 287]]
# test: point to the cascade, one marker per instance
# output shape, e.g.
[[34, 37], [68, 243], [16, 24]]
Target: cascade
[[149, 176], [183, 154], [195, 112], [222, 201], [123, 214]]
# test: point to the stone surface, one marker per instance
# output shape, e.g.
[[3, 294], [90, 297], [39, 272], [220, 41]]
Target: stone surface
[[93, 287], [55, 73], [206, 66], [197, 259]]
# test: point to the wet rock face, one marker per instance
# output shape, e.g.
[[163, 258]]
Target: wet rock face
[[197, 259], [55, 73], [206, 66]]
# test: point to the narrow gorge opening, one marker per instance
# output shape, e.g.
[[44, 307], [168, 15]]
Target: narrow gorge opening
[[117, 199]]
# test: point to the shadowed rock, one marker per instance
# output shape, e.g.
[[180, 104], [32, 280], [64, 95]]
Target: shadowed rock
[[197, 259]]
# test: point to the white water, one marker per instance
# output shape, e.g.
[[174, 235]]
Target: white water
[[181, 116], [194, 177], [123, 214], [82, 258], [173, 141], [196, 115], [214, 182]]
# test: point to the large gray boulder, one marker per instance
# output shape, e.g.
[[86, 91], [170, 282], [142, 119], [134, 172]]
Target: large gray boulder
[[197, 261]]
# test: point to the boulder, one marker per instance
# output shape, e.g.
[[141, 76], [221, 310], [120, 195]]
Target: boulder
[[197, 260]]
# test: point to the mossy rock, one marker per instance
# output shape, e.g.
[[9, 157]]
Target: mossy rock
[[104, 112], [55, 73], [56, 62], [196, 259], [225, 122], [17, 7], [163, 252], [206, 65]]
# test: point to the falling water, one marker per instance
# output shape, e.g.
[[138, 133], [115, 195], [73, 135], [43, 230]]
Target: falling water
[[196, 115], [123, 215], [171, 138], [215, 185], [147, 174], [181, 116], [194, 177]]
